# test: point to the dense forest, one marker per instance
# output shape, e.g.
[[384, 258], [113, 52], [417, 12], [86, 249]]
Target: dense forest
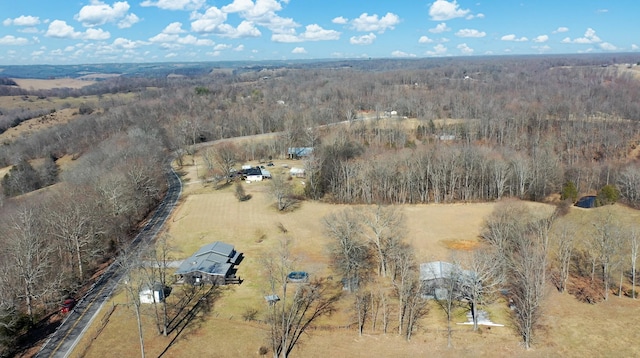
[[413, 131]]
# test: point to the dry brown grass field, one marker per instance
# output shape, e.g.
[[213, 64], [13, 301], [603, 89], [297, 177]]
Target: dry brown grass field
[[570, 328], [40, 84]]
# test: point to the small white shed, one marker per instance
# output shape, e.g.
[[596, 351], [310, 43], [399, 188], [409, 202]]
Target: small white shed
[[152, 294]]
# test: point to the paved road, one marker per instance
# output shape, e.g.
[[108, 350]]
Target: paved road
[[62, 342]]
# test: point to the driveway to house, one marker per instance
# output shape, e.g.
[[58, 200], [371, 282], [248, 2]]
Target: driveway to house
[[62, 342]]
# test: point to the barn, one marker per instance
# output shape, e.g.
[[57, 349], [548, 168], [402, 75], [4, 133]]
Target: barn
[[214, 264]]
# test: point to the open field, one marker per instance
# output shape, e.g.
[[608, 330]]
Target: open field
[[39, 84], [61, 110], [570, 328]]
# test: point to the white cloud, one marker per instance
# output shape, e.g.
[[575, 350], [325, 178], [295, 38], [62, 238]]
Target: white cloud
[[440, 28], [608, 47], [363, 40], [175, 41], [465, 49], [424, 40], [512, 37], [239, 48], [128, 21], [541, 39], [96, 34], [29, 30], [60, 29], [635, 47], [438, 50], [367, 23], [244, 29], [22, 21], [194, 41], [208, 22], [478, 16], [561, 29], [312, 32], [162, 38], [470, 33], [285, 38], [398, 53], [589, 37], [174, 28], [221, 47], [340, 20], [99, 13], [9, 40], [315, 32], [175, 4], [262, 13], [442, 10], [299, 50], [127, 44]]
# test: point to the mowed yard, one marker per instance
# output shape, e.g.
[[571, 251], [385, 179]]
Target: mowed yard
[[255, 228]]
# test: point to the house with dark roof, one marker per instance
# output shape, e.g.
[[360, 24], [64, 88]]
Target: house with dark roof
[[214, 264]]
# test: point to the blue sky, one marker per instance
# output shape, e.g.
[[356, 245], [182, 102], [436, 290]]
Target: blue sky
[[95, 31]]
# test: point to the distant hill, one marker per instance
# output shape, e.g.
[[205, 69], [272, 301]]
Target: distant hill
[[193, 69]]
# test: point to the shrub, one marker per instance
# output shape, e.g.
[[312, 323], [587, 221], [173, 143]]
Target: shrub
[[609, 194], [569, 192]]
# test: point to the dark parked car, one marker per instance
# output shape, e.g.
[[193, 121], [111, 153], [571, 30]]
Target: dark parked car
[[68, 305]]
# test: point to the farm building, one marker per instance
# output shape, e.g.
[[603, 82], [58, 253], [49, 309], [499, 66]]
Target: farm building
[[435, 275], [213, 264], [299, 152]]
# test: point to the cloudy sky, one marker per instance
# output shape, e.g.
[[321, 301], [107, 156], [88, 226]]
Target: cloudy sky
[[95, 31]]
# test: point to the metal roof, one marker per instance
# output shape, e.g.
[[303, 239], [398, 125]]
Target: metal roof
[[212, 259]]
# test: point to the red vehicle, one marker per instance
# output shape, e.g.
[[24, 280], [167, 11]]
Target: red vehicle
[[68, 305]]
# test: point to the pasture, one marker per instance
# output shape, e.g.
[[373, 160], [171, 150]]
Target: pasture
[[254, 227]]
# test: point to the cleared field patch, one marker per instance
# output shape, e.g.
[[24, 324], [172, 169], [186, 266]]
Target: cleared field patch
[[39, 84]]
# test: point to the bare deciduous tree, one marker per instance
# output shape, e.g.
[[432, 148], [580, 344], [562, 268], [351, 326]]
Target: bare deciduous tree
[[222, 156], [30, 257], [486, 278], [384, 229], [521, 238], [565, 236], [634, 245], [349, 254], [281, 191], [607, 242], [297, 309]]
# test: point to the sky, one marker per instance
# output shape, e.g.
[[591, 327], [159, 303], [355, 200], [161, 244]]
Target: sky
[[61, 32]]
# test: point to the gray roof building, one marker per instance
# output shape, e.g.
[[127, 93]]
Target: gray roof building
[[212, 263]]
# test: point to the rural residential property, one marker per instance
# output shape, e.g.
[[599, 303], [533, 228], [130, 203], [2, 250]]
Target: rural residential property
[[214, 264]]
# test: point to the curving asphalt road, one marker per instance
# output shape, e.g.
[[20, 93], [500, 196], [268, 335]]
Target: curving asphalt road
[[62, 342]]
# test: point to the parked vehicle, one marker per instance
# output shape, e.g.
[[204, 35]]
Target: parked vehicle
[[68, 305]]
